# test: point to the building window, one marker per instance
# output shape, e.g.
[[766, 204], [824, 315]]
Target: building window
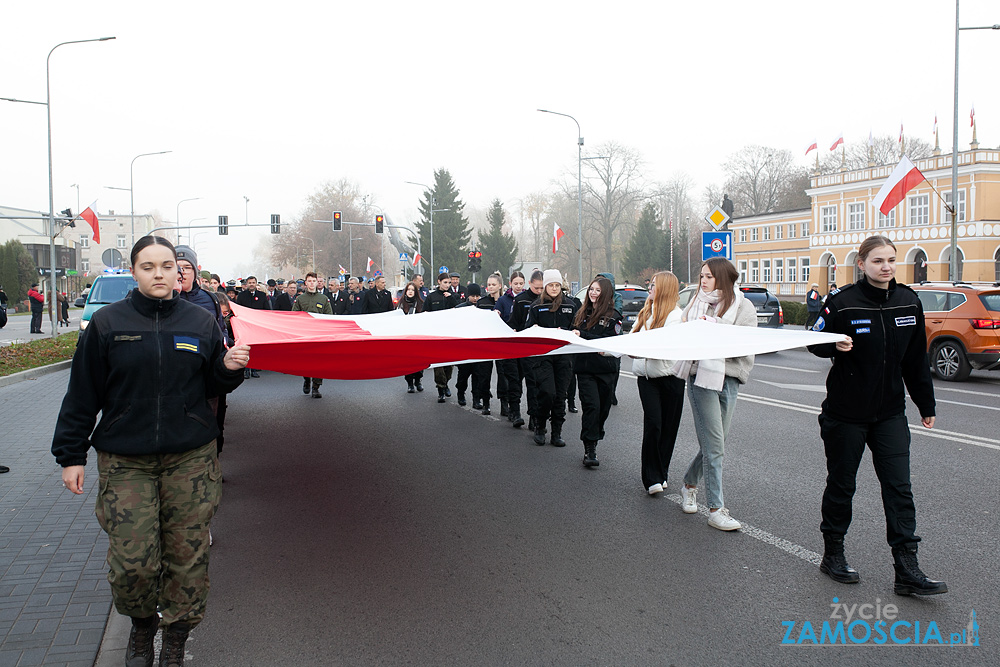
[[887, 220], [919, 212], [779, 231], [791, 231], [996, 263], [828, 218], [945, 216], [792, 275], [804, 269], [779, 270], [767, 270], [767, 232], [120, 241], [805, 229], [743, 271], [855, 217], [743, 236], [753, 233], [85, 265], [84, 241], [754, 271]]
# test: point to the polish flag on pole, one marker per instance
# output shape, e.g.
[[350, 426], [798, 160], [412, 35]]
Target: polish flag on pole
[[813, 146], [838, 142], [556, 235], [369, 267], [90, 215], [972, 117], [935, 125], [902, 179], [900, 134], [416, 259]]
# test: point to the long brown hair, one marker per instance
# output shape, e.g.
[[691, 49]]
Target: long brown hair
[[544, 298], [666, 290], [725, 282], [418, 303], [592, 313]]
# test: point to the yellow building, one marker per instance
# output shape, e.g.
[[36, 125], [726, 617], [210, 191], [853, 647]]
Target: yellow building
[[786, 251]]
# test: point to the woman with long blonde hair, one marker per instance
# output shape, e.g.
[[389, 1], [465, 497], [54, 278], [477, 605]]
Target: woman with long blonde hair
[[660, 391]]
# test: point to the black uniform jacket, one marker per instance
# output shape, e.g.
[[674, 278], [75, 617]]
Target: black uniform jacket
[[148, 366], [376, 301], [438, 300], [282, 302], [610, 325], [518, 320], [890, 348], [257, 300], [542, 314]]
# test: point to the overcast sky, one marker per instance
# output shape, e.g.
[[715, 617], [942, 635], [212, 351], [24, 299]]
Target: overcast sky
[[269, 100]]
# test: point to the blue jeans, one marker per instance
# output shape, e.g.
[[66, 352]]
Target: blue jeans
[[713, 412]]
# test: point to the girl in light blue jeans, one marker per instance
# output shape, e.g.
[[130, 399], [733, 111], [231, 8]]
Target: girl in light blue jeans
[[713, 385]]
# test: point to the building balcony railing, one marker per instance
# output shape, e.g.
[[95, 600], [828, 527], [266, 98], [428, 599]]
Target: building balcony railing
[[926, 165]]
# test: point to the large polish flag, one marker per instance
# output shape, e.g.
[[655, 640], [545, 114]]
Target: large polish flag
[[902, 179], [838, 142], [556, 235], [90, 215]]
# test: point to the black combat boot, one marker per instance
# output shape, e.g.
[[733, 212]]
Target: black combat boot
[[515, 416], [590, 454], [172, 652], [440, 395], [315, 392], [834, 564], [539, 429], [409, 387], [571, 405], [531, 422], [447, 392], [461, 398], [503, 408], [486, 407], [557, 440], [139, 652], [419, 386], [476, 404], [305, 385], [909, 579]]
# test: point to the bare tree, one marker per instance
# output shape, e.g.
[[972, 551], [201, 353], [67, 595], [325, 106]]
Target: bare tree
[[613, 189], [757, 179], [531, 212]]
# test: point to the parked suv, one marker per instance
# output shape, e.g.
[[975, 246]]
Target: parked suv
[[962, 321], [769, 312], [633, 297]]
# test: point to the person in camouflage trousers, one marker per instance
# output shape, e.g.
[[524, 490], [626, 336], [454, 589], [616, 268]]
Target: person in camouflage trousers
[[312, 301]]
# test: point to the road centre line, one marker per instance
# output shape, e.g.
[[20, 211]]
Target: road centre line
[[968, 405], [787, 368]]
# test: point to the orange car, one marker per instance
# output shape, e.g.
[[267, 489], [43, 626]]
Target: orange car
[[963, 327]]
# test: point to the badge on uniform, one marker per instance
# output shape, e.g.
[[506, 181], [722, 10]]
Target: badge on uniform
[[186, 343], [618, 328], [906, 321], [863, 330], [820, 324]]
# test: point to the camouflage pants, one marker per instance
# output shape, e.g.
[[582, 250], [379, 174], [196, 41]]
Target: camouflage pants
[[156, 511]]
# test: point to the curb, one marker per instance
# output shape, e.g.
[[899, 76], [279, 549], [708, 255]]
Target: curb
[[115, 640], [33, 373]]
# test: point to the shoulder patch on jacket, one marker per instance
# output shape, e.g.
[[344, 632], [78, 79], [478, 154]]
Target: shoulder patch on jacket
[[820, 324], [186, 343]]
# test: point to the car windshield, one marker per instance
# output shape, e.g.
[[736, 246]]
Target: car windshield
[[991, 301], [110, 291], [756, 298]]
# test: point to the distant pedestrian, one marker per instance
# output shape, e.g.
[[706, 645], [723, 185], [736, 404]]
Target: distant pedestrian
[[411, 304], [418, 280], [713, 385], [3, 308], [158, 468], [377, 299], [312, 301], [456, 286], [509, 370], [287, 297], [660, 391], [518, 321], [251, 297], [441, 299], [63, 309], [272, 292], [814, 304], [37, 302], [337, 297]]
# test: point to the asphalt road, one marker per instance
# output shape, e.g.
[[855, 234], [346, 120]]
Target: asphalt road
[[19, 324], [378, 527]]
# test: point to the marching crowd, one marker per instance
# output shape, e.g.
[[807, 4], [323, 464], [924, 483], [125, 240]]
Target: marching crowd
[[169, 345]]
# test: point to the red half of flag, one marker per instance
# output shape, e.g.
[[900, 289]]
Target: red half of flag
[[90, 215], [416, 259], [556, 235], [369, 267], [813, 146], [902, 179], [838, 142], [972, 117]]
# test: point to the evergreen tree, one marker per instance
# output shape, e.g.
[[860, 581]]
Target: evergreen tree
[[648, 247], [452, 234], [498, 247], [17, 270]]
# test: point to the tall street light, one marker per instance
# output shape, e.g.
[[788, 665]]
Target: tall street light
[[52, 217], [177, 217], [131, 186], [953, 260], [579, 186]]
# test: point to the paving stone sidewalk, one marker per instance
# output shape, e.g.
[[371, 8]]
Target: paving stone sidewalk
[[54, 595]]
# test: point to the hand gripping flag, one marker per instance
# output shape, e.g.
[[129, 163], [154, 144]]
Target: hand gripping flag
[[90, 215], [902, 179], [556, 235]]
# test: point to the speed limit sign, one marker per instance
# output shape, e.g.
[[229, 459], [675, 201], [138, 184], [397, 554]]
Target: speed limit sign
[[716, 244]]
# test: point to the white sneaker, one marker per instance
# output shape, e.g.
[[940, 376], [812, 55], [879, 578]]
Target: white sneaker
[[656, 488], [720, 519], [689, 500]]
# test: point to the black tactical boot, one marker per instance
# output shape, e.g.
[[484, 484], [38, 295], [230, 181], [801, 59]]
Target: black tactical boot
[[590, 454], [571, 405], [557, 440], [447, 392], [440, 395], [461, 398], [172, 652], [515, 416], [539, 430], [909, 579], [486, 407], [409, 387], [419, 386], [315, 392], [531, 422], [834, 564], [476, 404], [139, 652], [305, 385]]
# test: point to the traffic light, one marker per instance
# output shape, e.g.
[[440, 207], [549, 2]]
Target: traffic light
[[275, 223], [223, 225], [338, 221], [70, 218], [472, 260], [379, 223], [475, 261]]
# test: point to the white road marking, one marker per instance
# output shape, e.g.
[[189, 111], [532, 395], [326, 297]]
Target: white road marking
[[938, 387], [969, 405], [816, 388], [787, 368]]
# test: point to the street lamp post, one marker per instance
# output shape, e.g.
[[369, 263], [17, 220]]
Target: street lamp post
[[131, 186], [178, 216], [579, 187], [52, 217], [953, 259], [687, 222]]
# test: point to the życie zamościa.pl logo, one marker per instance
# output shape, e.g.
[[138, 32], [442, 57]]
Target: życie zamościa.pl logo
[[875, 624]]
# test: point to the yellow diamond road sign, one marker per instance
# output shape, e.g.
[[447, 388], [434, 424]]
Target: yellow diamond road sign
[[717, 218]]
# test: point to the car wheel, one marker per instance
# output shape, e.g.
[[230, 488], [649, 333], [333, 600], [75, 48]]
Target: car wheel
[[950, 363]]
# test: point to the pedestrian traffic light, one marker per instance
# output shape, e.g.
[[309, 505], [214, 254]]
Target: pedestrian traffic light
[[275, 223], [223, 225], [379, 223], [338, 221]]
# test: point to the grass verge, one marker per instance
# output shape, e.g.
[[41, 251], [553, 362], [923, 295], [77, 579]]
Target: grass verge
[[19, 357]]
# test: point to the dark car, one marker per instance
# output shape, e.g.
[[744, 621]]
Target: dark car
[[80, 302], [633, 298], [769, 313]]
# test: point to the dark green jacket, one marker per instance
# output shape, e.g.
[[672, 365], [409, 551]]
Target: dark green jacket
[[317, 302]]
